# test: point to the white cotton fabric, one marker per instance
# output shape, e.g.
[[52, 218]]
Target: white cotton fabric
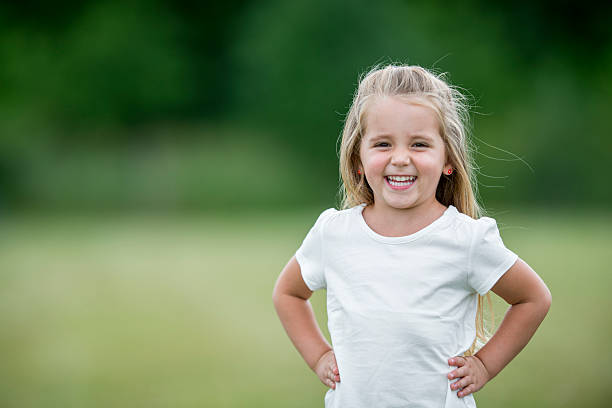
[[399, 307]]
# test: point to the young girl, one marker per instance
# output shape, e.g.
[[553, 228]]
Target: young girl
[[407, 260]]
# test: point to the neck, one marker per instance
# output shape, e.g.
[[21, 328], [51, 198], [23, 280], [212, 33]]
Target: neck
[[397, 222]]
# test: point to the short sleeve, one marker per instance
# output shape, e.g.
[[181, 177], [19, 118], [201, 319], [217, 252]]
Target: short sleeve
[[489, 257], [310, 254]]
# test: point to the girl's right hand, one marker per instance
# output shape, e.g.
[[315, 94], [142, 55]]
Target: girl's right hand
[[327, 369]]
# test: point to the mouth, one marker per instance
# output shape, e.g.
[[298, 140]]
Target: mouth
[[400, 182]]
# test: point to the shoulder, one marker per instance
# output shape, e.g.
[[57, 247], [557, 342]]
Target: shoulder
[[473, 228], [332, 219], [467, 222], [332, 213], [328, 213]]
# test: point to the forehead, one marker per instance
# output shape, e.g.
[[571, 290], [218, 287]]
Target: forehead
[[401, 116]]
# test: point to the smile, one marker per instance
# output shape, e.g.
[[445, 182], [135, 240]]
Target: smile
[[400, 182]]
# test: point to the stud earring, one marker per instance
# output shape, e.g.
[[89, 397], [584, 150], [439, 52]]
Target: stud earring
[[449, 171], [359, 172]]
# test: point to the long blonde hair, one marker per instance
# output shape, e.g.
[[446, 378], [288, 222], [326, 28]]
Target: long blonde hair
[[451, 106]]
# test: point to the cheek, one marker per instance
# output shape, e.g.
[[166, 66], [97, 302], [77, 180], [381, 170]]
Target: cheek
[[375, 162], [430, 163]]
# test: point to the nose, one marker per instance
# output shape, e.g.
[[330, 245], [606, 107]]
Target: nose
[[400, 157]]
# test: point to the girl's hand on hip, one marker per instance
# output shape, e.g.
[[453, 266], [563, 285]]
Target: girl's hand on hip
[[327, 369], [472, 374]]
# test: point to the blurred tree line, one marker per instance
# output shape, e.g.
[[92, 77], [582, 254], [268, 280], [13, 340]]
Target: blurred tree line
[[180, 104]]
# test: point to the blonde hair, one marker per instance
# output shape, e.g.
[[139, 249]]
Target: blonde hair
[[426, 88]]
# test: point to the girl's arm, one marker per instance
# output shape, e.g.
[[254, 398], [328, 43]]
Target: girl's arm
[[530, 300], [290, 296]]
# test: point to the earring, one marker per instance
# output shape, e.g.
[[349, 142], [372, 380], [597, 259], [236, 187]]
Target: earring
[[359, 172], [449, 171]]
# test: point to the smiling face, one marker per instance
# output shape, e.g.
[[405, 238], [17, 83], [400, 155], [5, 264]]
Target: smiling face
[[402, 139]]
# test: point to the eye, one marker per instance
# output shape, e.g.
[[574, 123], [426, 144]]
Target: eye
[[381, 144], [422, 144]]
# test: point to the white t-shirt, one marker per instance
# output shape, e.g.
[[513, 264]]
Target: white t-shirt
[[399, 307]]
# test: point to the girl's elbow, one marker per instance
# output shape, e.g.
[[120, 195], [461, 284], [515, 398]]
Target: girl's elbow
[[546, 300], [277, 294]]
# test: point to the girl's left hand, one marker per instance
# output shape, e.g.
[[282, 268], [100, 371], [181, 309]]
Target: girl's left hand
[[472, 374]]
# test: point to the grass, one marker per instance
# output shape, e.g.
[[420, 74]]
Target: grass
[[145, 311]]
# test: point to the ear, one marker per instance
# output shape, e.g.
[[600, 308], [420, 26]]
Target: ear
[[448, 165], [359, 166]]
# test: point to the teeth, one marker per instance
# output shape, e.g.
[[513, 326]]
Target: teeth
[[401, 178], [401, 181]]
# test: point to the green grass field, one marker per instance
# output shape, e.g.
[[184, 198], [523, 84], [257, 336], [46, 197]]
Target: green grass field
[[145, 311]]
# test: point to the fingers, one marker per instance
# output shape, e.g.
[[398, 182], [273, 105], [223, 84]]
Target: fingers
[[329, 373], [466, 386], [462, 383], [331, 376], [331, 382], [469, 378], [457, 361], [460, 372], [335, 374], [467, 390]]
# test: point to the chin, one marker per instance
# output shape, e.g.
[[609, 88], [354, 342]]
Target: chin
[[399, 205]]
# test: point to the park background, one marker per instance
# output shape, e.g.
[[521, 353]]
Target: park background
[[161, 161]]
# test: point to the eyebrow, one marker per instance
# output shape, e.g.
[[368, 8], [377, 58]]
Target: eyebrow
[[417, 136]]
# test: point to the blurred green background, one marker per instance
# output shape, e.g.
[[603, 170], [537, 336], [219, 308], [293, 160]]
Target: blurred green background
[[161, 161]]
